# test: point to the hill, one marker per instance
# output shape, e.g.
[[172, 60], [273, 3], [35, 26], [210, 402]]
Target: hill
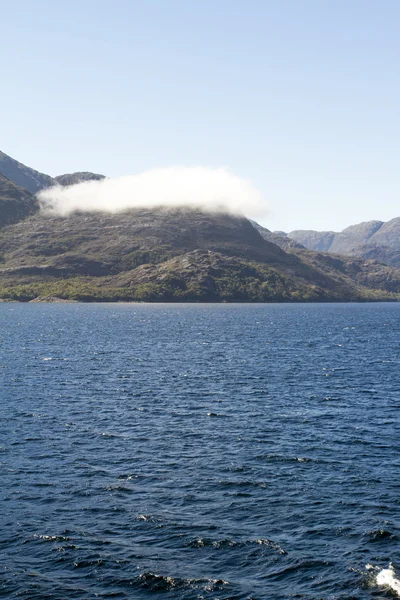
[[24, 176], [174, 255]]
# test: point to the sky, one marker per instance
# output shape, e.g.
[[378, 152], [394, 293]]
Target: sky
[[298, 97]]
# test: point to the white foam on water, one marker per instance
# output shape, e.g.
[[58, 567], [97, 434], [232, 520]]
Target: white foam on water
[[388, 579]]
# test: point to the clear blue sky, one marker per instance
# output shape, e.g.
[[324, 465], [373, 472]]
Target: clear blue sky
[[301, 97]]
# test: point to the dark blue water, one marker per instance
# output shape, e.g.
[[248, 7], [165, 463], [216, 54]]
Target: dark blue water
[[216, 452]]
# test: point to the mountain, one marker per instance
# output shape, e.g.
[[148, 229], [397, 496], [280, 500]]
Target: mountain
[[279, 238], [174, 255], [340, 243], [24, 176], [33, 181], [16, 203], [319, 241], [79, 177], [371, 239]]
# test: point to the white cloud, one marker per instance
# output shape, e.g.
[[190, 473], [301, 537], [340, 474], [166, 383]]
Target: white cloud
[[198, 187]]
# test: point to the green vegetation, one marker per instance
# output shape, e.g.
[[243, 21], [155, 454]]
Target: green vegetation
[[134, 259], [264, 285]]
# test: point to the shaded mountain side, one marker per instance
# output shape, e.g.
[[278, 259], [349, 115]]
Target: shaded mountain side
[[16, 203], [176, 254], [24, 176], [78, 177]]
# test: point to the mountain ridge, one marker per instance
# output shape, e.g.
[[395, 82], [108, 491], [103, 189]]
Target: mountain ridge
[[23, 176], [35, 181], [370, 239]]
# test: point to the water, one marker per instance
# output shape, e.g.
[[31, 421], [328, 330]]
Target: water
[[187, 452]]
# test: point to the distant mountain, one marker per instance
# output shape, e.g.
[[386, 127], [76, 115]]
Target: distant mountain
[[16, 203], [279, 238], [371, 239], [33, 181], [79, 177], [320, 241], [24, 176], [340, 243]]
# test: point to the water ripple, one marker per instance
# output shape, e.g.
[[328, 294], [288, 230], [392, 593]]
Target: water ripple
[[199, 452]]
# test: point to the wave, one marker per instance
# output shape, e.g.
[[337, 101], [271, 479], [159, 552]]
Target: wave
[[283, 458], [387, 578], [380, 534], [164, 583], [229, 543]]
